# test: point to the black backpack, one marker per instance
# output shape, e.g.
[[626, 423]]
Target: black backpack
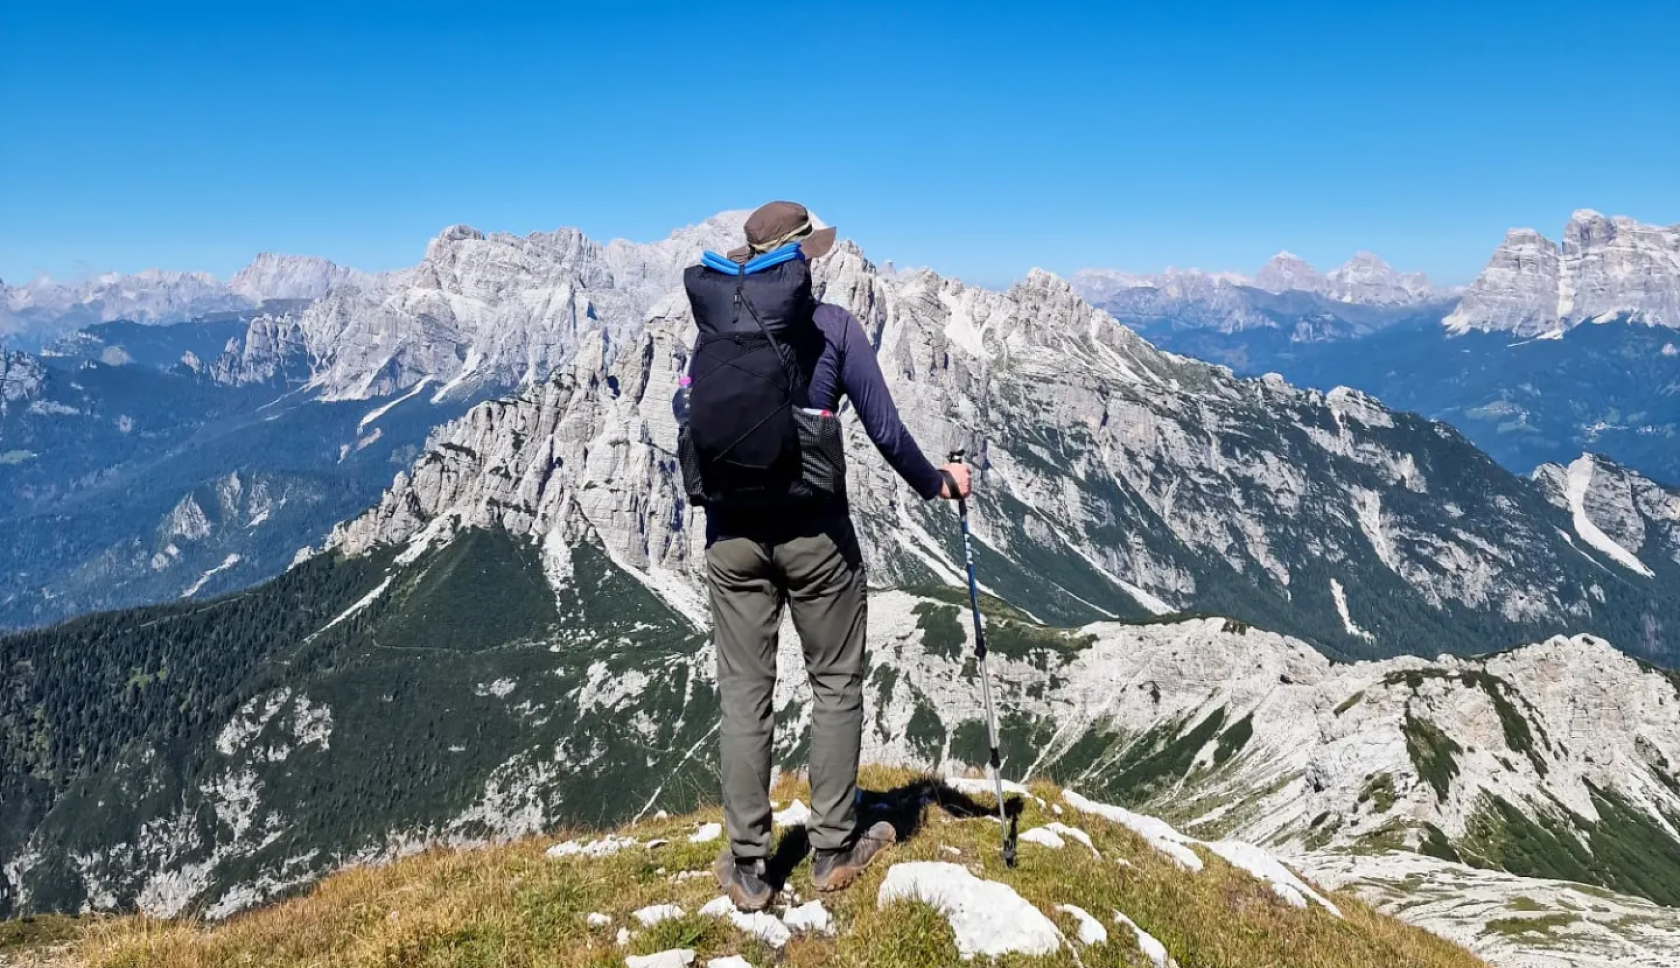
[[751, 440]]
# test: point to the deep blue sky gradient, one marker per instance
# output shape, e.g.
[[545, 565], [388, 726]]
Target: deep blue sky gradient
[[981, 139]]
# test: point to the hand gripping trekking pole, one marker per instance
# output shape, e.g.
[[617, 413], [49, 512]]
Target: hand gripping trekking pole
[[994, 761]]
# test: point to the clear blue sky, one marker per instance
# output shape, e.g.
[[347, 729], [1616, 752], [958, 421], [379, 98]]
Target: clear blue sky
[[980, 139]]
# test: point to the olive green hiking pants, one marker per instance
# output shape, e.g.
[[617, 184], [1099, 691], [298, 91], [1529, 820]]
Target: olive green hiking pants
[[821, 580]]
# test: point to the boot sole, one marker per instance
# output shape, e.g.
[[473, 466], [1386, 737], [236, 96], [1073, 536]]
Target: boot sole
[[838, 882], [844, 877]]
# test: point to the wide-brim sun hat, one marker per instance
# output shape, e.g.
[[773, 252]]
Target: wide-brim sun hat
[[776, 224]]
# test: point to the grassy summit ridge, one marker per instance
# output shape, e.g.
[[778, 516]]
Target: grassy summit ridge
[[513, 905]]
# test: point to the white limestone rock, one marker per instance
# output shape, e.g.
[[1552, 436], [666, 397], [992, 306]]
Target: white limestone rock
[[762, 925], [987, 918], [810, 916], [604, 847], [655, 913], [795, 814], [674, 958], [1091, 931], [1152, 948]]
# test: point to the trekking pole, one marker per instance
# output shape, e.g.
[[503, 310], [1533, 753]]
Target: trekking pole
[[994, 761]]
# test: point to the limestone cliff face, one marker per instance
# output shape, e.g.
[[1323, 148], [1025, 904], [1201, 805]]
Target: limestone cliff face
[[1606, 268]]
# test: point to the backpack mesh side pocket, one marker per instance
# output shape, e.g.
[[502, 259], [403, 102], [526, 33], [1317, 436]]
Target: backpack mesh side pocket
[[694, 486], [822, 454]]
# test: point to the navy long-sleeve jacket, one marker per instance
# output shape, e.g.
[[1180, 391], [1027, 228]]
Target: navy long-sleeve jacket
[[845, 366]]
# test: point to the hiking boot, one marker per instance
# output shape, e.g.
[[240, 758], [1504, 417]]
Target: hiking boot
[[835, 870], [743, 882]]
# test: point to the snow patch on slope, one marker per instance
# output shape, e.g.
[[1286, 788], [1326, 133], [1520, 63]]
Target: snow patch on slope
[[1340, 595], [360, 604], [1579, 480], [204, 579], [380, 411]]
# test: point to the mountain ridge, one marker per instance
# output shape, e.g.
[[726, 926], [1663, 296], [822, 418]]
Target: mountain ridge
[[1150, 520], [1362, 295]]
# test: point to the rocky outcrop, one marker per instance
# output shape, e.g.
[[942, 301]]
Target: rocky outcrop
[[1606, 269], [274, 350], [20, 379]]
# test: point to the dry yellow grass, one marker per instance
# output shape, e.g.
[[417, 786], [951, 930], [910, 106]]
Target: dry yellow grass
[[513, 907]]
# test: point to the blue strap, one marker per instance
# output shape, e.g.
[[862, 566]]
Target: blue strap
[[712, 260], [775, 257]]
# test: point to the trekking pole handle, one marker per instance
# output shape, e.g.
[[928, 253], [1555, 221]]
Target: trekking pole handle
[[955, 457]]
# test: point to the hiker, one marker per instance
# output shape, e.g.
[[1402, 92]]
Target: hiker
[[760, 444]]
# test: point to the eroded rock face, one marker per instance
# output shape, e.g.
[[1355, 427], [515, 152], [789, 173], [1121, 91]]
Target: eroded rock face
[[1606, 268], [1517, 291]]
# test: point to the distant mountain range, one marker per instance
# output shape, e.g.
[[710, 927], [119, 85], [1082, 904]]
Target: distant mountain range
[[1362, 295], [479, 311], [1554, 350], [1605, 269], [41, 310]]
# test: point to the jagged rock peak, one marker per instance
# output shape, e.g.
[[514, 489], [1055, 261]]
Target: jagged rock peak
[[455, 233]]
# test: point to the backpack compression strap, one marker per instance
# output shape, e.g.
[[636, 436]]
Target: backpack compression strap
[[775, 257]]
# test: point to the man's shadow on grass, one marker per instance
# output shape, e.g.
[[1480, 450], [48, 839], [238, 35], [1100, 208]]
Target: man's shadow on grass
[[905, 807]]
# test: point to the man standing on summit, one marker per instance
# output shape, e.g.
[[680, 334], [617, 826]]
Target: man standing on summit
[[761, 451]]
